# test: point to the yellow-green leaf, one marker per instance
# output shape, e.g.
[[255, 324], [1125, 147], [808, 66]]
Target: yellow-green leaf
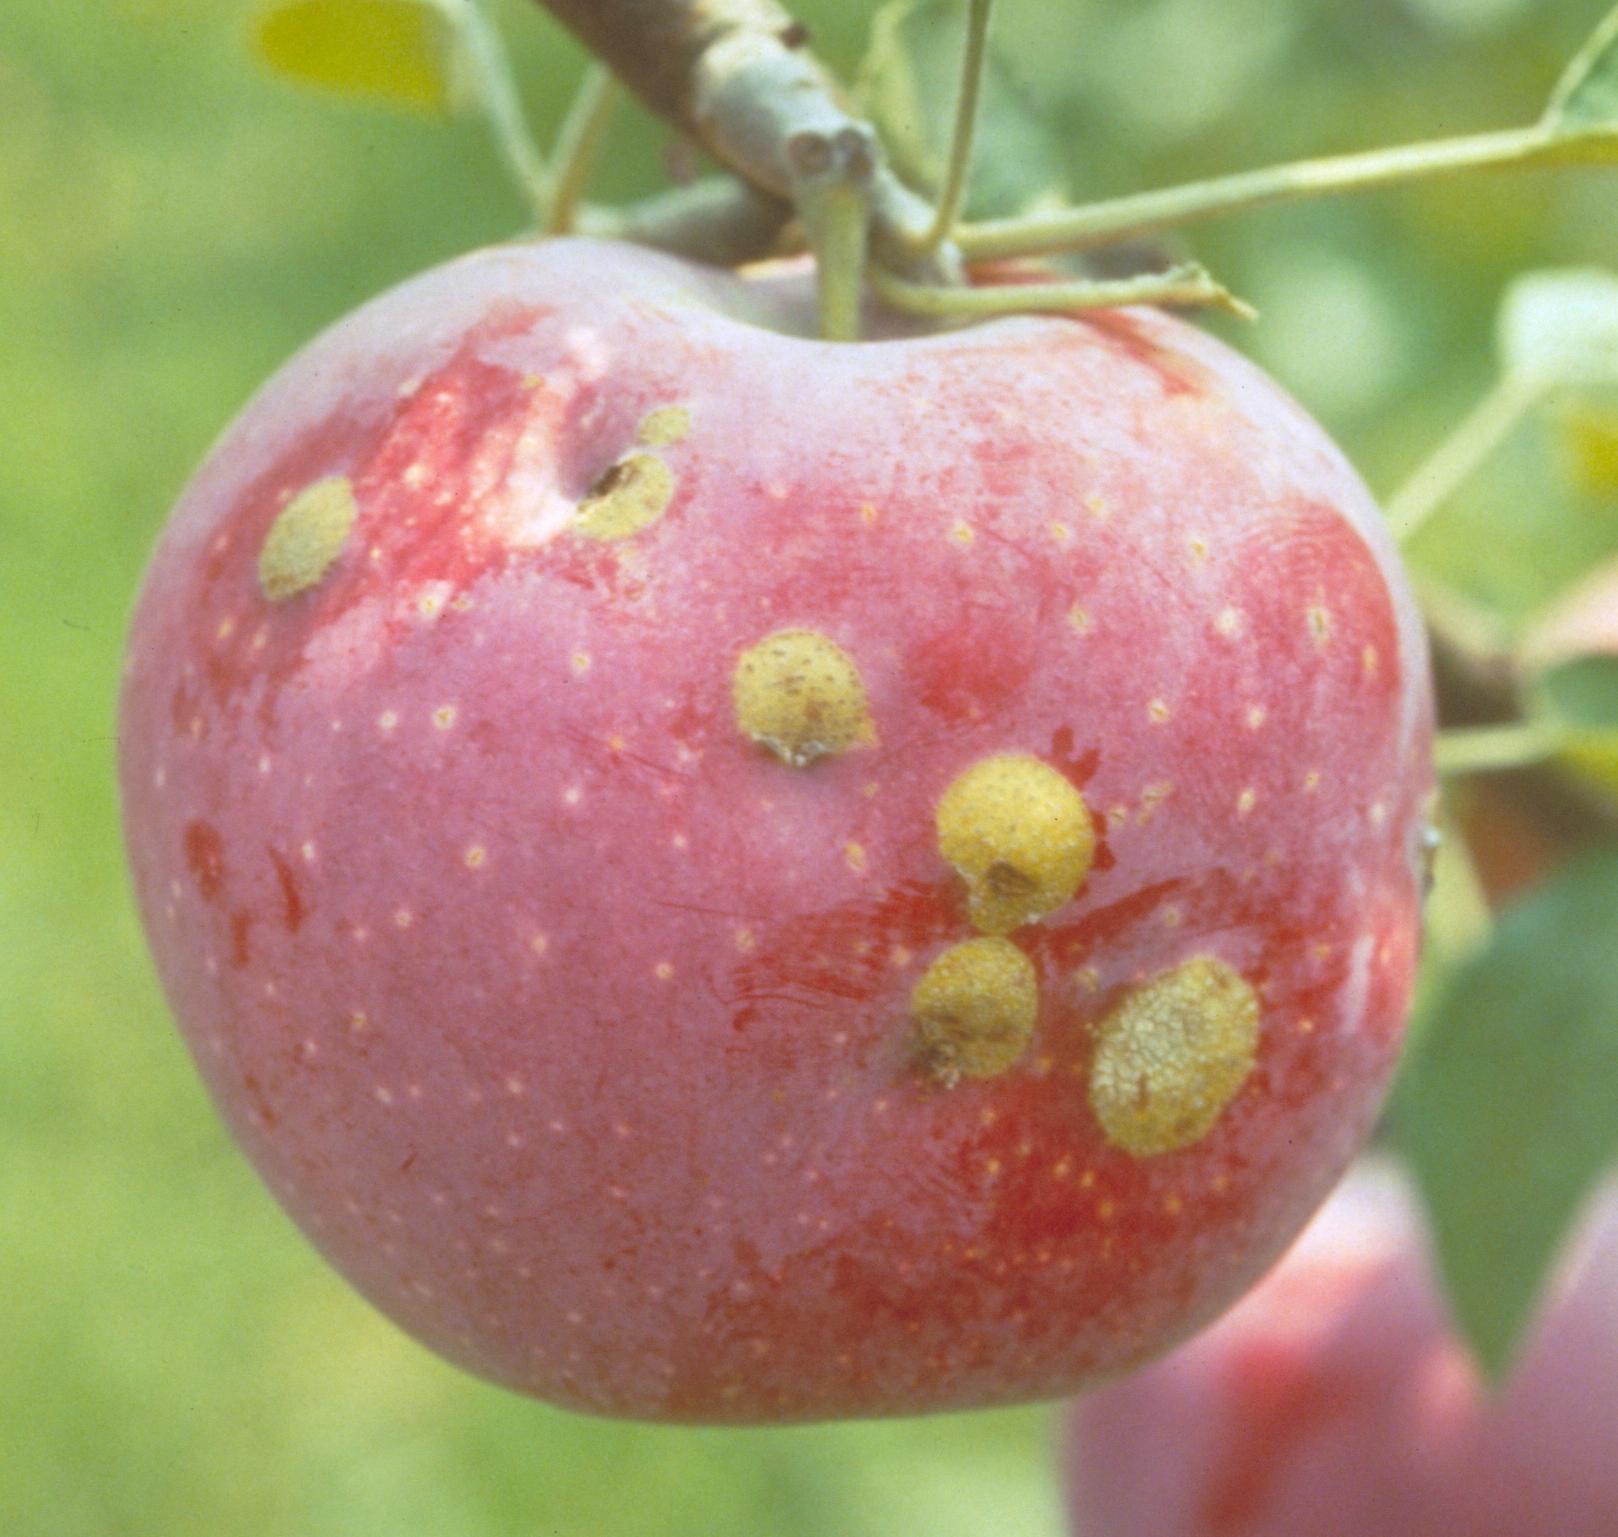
[[400, 50]]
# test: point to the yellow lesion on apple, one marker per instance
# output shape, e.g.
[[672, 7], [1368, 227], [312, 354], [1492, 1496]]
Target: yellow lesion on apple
[[974, 1009], [798, 693], [307, 535], [1171, 1055], [1020, 836], [632, 495], [665, 426]]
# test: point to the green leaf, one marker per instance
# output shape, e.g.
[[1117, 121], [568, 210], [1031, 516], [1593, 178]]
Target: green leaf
[[1508, 1105], [1583, 693], [909, 82], [403, 51], [1561, 326], [1586, 97]]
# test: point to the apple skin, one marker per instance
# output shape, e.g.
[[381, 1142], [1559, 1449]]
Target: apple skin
[[573, 1024], [1335, 1401]]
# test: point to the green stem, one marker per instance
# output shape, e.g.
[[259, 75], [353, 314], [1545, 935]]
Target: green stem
[[1147, 213], [966, 113], [577, 142], [1460, 454], [836, 217], [1490, 749], [1183, 285], [496, 90]]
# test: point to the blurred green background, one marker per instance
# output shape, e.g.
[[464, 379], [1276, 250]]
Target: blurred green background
[[173, 222]]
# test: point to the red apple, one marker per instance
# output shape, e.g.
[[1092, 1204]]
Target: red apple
[[721, 876], [1336, 1402]]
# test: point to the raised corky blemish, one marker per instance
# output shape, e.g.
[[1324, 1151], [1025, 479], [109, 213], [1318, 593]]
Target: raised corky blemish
[[664, 426], [798, 693], [307, 535], [1151, 798], [1019, 835], [632, 495], [974, 1010], [1172, 1055]]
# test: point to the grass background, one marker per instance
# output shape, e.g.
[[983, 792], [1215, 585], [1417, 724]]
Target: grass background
[[174, 1359]]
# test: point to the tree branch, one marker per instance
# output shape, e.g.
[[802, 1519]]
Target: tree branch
[[738, 77]]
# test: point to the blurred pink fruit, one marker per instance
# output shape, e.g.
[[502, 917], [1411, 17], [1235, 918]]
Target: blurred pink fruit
[[1336, 1402]]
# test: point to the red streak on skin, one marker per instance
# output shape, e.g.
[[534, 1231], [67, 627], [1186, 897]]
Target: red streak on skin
[[843, 953], [1080, 767], [1129, 340], [241, 924], [205, 858], [293, 911], [260, 1101]]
